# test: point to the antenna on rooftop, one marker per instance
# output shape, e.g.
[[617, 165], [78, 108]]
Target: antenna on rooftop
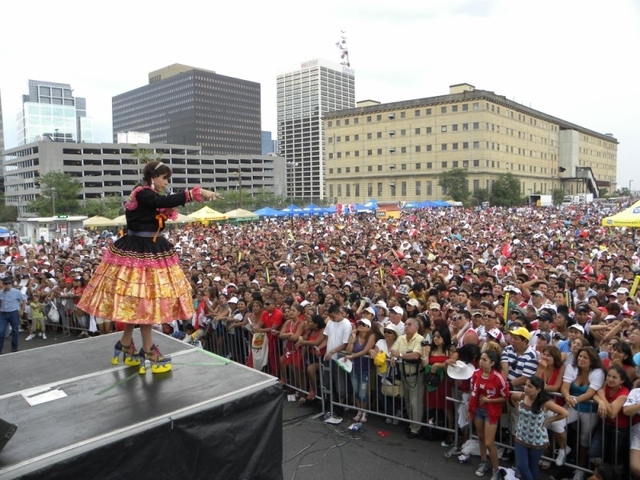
[[344, 51]]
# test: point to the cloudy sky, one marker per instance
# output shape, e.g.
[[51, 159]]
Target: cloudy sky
[[574, 59]]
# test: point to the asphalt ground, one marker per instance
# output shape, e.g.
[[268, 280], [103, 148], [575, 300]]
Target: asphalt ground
[[314, 450]]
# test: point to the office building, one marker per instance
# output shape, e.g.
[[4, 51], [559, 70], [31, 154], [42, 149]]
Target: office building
[[268, 144], [1, 129], [306, 92], [50, 110], [190, 106], [112, 169], [395, 151]]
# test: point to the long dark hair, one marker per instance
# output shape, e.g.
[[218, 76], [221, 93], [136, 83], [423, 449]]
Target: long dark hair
[[623, 376], [624, 348], [542, 396], [493, 358], [155, 169], [444, 332]]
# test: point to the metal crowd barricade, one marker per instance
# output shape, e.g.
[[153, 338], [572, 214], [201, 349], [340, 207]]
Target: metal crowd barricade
[[384, 396]]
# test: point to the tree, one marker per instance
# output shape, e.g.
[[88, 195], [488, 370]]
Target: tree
[[622, 192], [557, 194], [505, 191], [480, 196], [110, 206], [59, 195], [455, 183], [8, 213]]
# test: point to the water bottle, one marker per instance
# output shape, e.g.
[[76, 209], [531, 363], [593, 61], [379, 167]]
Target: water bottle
[[355, 427]]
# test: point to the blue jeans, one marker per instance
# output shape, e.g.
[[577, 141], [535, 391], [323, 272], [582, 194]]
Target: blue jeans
[[527, 461], [360, 385], [13, 319]]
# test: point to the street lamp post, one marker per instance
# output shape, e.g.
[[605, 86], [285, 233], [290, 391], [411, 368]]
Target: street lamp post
[[53, 200], [630, 186], [239, 188]]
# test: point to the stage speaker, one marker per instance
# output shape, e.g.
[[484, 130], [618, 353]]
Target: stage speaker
[[6, 432]]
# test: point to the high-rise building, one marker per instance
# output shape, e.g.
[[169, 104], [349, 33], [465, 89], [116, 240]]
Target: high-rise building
[[268, 144], [396, 151], [1, 129], [113, 169], [305, 93], [50, 110], [191, 106]]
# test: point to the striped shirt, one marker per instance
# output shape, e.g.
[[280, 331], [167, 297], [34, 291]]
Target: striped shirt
[[522, 365]]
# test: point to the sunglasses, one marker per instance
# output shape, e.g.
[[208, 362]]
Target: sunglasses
[[362, 324], [386, 332]]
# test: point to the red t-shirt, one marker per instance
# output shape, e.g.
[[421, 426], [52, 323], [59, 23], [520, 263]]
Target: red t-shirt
[[495, 386]]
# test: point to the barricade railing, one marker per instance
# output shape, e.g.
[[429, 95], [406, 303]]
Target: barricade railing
[[389, 394]]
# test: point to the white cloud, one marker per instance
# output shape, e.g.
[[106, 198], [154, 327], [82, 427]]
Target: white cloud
[[572, 59]]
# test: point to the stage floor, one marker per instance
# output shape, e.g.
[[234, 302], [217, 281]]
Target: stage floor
[[68, 401]]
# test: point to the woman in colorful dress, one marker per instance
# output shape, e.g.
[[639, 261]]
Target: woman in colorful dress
[[139, 281]]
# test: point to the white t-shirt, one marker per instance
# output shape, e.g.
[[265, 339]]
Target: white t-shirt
[[337, 333], [596, 377], [633, 399]]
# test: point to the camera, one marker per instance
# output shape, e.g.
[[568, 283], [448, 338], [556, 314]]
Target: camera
[[425, 343]]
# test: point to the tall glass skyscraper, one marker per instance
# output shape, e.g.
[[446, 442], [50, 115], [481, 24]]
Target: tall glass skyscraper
[[50, 110], [305, 93], [191, 106]]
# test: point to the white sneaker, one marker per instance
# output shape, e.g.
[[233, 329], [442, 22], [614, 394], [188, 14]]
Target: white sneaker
[[39, 334], [44, 336], [482, 469], [388, 421], [562, 455], [30, 337], [496, 475]]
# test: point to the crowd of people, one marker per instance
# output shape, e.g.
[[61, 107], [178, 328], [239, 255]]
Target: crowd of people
[[538, 301]]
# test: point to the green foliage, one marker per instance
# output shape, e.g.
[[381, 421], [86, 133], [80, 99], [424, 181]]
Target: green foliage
[[622, 192], [145, 155], [456, 184], [481, 195], [604, 192], [557, 194], [66, 190], [262, 198], [8, 213], [110, 206], [505, 191]]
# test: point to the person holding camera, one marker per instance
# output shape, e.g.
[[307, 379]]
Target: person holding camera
[[407, 351]]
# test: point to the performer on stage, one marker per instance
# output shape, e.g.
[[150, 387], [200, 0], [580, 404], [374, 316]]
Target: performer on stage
[[139, 281]]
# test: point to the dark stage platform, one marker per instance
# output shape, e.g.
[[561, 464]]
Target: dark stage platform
[[80, 417]]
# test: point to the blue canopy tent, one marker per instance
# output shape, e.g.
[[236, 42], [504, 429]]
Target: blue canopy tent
[[409, 205], [269, 212], [329, 210], [292, 210], [312, 209]]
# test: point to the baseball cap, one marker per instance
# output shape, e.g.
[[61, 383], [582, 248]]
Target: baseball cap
[[413, 302], [397, 309], [544, 335], [578, 327], [545, 317], [370, 310], [622, 290], [494, 332], [521, 332], [434, 306], [365, 321]]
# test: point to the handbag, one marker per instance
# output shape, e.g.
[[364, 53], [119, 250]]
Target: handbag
[[53, 314], [432, 378], [392, 389]]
